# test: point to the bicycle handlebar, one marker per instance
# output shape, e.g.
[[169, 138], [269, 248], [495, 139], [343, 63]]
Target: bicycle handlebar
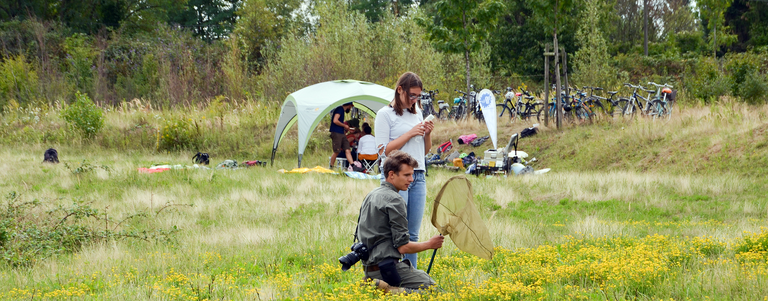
[[635, 87], [660, 86]]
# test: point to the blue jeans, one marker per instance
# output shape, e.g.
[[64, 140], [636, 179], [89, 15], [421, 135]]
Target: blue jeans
[[415, 200]]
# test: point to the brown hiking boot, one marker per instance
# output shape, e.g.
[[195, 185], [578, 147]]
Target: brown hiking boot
[[382, 285]]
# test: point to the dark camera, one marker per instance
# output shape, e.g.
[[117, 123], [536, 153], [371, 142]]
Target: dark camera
[[359, 251]]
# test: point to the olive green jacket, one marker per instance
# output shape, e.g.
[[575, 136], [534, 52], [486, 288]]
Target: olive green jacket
[[383, 225]]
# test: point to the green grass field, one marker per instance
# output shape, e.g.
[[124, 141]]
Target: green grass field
[[632, 209]]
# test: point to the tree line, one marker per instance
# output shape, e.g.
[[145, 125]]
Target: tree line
[[187, 52]]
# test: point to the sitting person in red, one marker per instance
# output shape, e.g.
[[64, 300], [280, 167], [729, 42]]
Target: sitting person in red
[[354, 133], [366, 149]]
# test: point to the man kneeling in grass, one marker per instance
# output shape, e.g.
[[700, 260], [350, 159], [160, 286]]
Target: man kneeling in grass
[[383, 227]]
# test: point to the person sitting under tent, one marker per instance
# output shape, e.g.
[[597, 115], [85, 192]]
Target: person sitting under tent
[[383, 227], [353, 135], [366, 147], [337, 129]]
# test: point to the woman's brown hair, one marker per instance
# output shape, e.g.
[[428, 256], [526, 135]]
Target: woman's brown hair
[[407, 81]]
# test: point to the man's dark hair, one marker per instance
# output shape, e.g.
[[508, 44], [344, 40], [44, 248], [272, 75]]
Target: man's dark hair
[[395, 161], [407, 81], [354, 122], [366, 129]]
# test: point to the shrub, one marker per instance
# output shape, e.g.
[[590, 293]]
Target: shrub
[[754, 88], [18, 81], [31, 231], [179, 133], [739, 66], [705, 81], [84, 116], [746, 81]]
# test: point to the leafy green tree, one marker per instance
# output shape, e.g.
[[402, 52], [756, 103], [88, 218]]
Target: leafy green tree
[[374, 10], [208, 19], [748, 20], [678, 17], [712, 13], [90, 16], [10, 9], [461, 26], [262, 22], [757, 18], [518, 41], [591, 60]]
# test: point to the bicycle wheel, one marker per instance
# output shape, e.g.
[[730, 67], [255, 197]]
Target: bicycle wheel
[[669, 108], [614, 109], [661, 110], [600, 110], [655, 110], [443, 114], [628, 109], [479, 116], [458, 113], [535, 112], [582, 114], [500, 110]]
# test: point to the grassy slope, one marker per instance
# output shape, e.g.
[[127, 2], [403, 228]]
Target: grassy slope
[[728, 138]]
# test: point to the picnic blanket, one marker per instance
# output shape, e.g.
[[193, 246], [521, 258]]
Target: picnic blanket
[[165, 167], [361, 176], [317, 169]]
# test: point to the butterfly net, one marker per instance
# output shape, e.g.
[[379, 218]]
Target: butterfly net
[[454, 214]]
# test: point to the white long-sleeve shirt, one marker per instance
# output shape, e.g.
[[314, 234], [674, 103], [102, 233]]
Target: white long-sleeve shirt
[[389, 127]]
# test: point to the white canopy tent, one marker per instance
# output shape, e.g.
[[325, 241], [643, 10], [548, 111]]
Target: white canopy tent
[[310, 104]]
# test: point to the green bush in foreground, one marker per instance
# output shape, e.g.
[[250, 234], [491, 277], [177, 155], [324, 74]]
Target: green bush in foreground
[[84, 116], [30, 233]]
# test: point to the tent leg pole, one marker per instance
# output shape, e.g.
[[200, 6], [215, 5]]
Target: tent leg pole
[[431, 261], [299, 160], [272, 161]]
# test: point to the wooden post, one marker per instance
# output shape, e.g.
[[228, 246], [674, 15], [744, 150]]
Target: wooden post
[[546, 85]]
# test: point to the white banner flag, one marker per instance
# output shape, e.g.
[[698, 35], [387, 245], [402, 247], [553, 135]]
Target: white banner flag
[[488, 103]]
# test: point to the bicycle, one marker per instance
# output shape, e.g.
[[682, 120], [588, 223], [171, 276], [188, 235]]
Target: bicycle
[[579, 109], [474, 107], [564, 107], [529, 108], [459, 109], [614, 103], [508, 105], [594, 102], [662, 102], [633, 104], [427, 98]]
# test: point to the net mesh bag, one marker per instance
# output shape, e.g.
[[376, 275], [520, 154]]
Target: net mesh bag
[[454, 214]]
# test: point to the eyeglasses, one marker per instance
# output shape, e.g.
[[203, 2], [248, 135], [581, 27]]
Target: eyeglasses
[[413, 96]]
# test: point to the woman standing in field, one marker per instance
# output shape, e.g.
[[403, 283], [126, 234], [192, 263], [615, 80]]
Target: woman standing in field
[[400, 126]]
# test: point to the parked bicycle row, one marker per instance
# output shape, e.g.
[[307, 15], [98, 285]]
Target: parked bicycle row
[[576, 104], [585, 104], [463, 106]]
